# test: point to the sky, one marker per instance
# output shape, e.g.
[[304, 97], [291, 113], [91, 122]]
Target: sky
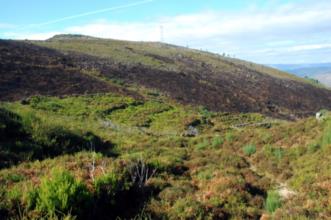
[[268, 32]]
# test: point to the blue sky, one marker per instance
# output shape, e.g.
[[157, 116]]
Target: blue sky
[[274, 31]]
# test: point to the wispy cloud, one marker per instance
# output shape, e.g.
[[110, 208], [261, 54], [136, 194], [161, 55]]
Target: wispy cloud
[[115, 8]]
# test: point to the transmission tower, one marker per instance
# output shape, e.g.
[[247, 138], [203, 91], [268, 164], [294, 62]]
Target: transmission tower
[[161, 33]]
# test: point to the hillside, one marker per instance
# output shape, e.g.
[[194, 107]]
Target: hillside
[[93, 129], [27, 70], [187, 76]]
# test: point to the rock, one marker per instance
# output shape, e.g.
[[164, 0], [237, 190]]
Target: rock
[[191, 132], [319, 116]]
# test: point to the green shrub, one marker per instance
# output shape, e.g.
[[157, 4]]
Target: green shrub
[[60, 194], [217, 141], [249, 149], [273, 201]]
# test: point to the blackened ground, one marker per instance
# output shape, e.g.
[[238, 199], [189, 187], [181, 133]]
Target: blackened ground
[[242, 90], [26, 69]]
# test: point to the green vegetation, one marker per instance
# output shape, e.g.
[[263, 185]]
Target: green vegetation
[[131, 159], [249, 149], [217, 141], [60, 193], [273, 201]]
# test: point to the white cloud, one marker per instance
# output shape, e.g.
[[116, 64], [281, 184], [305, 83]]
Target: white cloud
[[291, 33], [124, 31], [30, 36], [6, 26], [309, 47]]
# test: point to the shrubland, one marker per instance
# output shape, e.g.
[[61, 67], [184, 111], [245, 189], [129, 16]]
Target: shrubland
[[93, 156]]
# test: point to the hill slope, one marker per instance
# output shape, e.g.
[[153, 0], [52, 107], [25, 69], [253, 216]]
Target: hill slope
[[188, 76], [27, 70]]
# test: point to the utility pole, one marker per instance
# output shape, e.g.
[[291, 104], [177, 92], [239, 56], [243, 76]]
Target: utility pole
[[161, 34]]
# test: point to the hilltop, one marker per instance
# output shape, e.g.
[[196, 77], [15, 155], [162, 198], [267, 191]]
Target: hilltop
[[185, 75]]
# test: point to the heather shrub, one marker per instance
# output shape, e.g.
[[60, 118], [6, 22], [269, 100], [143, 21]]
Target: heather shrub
[[187, 208]]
